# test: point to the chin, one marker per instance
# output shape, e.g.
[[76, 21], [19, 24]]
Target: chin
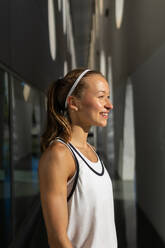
[[103, 124]]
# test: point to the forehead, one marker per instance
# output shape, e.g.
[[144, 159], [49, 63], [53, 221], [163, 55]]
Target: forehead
[[96, 83]]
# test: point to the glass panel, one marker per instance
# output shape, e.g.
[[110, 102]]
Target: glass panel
[[4, 161], [27, 125]]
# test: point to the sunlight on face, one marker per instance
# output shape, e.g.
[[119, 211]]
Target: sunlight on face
[[94, 85], [94, 104]]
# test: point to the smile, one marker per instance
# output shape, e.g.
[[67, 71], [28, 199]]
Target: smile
[[104, 114]]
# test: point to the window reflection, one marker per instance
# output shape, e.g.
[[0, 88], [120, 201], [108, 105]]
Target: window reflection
[[27, 119], [4, 159]]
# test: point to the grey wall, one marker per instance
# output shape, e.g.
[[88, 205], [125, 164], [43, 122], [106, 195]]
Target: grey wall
[[149, 105], [137, 50]]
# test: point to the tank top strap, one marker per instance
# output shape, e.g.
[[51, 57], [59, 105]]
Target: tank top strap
[[76, 163], [87, 163]]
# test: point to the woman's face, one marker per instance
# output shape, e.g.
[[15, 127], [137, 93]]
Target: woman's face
[[94, 104]]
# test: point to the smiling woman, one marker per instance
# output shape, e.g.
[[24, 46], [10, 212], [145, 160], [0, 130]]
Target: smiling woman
[[94, 104], [73, 179]]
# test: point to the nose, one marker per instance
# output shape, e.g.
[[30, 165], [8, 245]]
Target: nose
[[108, 105]]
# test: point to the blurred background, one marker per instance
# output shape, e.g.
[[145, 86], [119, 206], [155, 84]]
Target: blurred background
[[125, 40]]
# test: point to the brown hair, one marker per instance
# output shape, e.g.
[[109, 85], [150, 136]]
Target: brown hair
[[58, 124]]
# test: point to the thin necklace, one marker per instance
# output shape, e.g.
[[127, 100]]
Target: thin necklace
[[99, 174]]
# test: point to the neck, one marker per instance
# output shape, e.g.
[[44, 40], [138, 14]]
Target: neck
[[79, 136]]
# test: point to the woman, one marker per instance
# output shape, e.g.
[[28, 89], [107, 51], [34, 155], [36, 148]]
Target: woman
[[76, 191]]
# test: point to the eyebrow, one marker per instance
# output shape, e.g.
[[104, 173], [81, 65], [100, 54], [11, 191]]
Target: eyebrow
[[102, 91]]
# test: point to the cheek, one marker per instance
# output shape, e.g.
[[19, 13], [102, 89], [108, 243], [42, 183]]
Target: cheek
[[92, 105]]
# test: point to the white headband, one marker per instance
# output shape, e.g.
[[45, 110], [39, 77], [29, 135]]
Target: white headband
[[75, 84]]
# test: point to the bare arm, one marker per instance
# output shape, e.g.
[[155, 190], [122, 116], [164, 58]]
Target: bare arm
[[55, 168]]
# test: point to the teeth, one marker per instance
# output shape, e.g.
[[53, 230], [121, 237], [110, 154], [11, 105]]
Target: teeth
[[105, 114]]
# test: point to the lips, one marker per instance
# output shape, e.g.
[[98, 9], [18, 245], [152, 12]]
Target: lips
[[104, 115]]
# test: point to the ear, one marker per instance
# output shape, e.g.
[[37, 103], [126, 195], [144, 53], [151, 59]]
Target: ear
[[72, 103]]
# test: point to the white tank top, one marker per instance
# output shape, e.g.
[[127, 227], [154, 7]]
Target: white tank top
[[90, 208]]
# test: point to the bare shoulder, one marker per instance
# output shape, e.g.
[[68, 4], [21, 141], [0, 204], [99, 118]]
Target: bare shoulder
[[57, 158]]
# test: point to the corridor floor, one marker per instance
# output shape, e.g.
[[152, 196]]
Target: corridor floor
[[133, 228]]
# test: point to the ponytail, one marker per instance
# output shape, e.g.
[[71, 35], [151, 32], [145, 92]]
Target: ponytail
[[57, 122]]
